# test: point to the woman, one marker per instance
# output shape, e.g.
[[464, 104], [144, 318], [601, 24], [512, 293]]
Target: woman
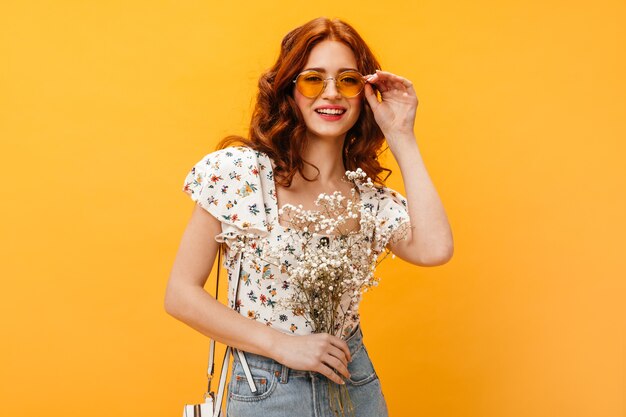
[[324, 108]]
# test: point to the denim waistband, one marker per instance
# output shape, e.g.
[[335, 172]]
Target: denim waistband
[[354, 341]]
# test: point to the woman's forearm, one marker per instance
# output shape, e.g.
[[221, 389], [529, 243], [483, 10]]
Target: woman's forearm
[[200, 310], [431, 235]]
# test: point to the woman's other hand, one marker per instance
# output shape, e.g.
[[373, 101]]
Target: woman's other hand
[[395, 114]]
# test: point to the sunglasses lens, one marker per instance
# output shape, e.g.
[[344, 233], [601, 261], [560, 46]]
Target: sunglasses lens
[[350, 84], [310, 84]]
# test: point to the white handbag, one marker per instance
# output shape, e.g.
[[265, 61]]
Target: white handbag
[[212, 405]]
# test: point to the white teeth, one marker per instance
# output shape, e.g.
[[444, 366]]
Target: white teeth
[[330, 111]]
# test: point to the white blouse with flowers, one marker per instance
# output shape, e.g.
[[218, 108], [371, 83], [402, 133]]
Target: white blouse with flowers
[[236, 185]]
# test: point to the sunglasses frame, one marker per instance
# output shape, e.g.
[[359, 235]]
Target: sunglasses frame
[[325, 80]]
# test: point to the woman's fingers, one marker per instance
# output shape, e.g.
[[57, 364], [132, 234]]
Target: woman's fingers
[[390, 76], [338, 365], [329, 373], [343, 346], [380, 84], [339, 355], [371, 97], [320, 352], [386, 81]]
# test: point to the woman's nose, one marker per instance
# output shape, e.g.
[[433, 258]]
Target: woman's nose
[[330, 90]]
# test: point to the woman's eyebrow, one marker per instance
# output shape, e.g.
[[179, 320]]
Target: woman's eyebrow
[[323, 70]]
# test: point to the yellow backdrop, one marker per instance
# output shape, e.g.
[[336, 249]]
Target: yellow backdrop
[[105, 106]]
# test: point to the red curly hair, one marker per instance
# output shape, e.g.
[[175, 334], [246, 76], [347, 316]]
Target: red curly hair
[[278, 128]]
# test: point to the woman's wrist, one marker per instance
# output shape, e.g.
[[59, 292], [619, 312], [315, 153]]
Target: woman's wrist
[[273, 343]]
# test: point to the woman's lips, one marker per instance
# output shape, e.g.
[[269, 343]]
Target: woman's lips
[[330, 117]]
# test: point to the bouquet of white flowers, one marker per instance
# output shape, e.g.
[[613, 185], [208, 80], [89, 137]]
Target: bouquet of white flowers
[[333, 266]]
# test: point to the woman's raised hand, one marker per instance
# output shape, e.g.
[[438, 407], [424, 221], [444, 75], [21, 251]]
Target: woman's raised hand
[[319, 352], [395, 114]]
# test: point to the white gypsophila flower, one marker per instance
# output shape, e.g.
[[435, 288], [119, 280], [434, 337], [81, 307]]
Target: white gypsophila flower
[[323, 274]]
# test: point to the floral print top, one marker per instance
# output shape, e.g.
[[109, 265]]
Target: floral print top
[[236, 185]]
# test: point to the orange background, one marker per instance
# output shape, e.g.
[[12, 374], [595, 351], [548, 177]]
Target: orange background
[[105, 106]]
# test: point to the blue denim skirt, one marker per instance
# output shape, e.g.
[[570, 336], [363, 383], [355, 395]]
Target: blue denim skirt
[[286, 392]]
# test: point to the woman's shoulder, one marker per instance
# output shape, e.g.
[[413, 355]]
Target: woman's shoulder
[[232, 162], [228, 165], [392, 215], [388, 195], [232, 155], [227, 183]]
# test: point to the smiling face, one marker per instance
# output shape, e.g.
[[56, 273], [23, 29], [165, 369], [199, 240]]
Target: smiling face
[[330, 58]]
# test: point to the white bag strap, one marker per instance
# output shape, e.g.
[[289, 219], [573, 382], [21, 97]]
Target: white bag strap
[[240, 354]]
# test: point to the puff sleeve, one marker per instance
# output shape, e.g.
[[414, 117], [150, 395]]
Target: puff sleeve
[[393, 218], [226, 183]]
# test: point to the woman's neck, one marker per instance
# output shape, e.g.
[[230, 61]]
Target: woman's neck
[[326, 155]]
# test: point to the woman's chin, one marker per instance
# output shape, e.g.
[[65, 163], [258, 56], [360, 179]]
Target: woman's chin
[[328, 132], [327, 136]]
